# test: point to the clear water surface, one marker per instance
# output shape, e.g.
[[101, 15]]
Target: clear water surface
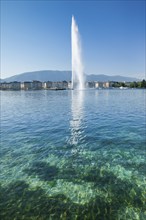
[[73, 155]]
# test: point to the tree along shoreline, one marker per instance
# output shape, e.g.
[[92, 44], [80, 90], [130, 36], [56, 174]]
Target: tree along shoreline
[[140, 84]]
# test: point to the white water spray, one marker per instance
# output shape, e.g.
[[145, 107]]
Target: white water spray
[[78, 81]]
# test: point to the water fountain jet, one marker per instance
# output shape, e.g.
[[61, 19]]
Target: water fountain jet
[[78, 81]]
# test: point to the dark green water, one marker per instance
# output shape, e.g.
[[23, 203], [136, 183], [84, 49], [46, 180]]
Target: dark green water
[[73, 155]]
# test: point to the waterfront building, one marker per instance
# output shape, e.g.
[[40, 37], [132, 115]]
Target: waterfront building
[[65, 84], [36, 85], [5, 86], [107, 84], [98, 85], [26, 85], [10, 85], [90, 84], [69, 85], [55, 85], [60, 85], [47, 85]]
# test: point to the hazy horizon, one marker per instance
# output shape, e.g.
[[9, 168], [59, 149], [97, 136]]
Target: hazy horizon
[[36, 35]]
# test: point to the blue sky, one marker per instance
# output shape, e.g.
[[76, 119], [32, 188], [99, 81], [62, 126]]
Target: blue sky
[[35, 35]]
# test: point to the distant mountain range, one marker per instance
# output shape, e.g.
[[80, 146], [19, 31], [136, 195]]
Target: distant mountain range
[[56, 75]]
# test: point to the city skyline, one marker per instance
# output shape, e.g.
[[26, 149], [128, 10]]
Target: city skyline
[[35, 35]]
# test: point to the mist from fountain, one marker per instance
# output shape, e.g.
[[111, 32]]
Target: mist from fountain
[[78, 81]]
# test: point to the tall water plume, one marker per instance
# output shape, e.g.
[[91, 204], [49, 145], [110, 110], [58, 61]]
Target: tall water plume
[[78, 81]]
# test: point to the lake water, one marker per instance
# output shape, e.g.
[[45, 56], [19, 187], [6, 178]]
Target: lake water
[[73, 155]]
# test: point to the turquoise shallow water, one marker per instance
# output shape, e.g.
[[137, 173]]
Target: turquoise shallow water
[[73, 155]]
